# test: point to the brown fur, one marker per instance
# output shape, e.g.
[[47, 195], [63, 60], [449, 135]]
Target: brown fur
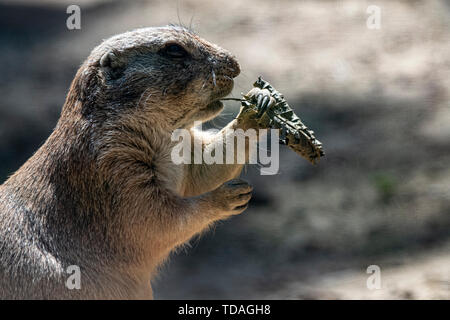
[[102, 193]]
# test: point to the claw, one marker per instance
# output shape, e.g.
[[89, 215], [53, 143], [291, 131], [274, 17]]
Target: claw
[[259, 99], [263, 105], [265, 102]]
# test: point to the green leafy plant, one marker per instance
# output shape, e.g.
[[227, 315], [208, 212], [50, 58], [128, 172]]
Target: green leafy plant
[[274, 112]]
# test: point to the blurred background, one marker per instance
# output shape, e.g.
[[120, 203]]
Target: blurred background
[[378, 99]]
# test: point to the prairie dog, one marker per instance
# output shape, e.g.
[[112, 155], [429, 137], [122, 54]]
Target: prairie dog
[[102, 193]]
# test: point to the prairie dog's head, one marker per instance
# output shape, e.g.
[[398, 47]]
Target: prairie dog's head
[[165, 74]]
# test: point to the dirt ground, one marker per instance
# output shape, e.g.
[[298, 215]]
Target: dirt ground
[[378, 99]]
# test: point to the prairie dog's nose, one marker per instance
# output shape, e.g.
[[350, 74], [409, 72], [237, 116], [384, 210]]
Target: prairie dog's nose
[[227, 63], [233, 66]]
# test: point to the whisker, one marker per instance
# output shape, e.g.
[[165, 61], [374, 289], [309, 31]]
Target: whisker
[[190, 22], [213, 77], [148, 96], [204, 82], [142, 95]]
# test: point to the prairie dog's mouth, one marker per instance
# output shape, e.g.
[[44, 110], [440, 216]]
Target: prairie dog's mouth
[[223, 86]]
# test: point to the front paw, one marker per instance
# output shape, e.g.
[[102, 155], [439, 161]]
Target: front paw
[[262, 98], [232, 197], [255, 117]]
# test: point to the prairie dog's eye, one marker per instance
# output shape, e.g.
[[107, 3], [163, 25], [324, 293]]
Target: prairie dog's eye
[[175, 51]]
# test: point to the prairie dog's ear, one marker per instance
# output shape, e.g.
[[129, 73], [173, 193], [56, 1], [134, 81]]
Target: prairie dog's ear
[[113, 62]]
